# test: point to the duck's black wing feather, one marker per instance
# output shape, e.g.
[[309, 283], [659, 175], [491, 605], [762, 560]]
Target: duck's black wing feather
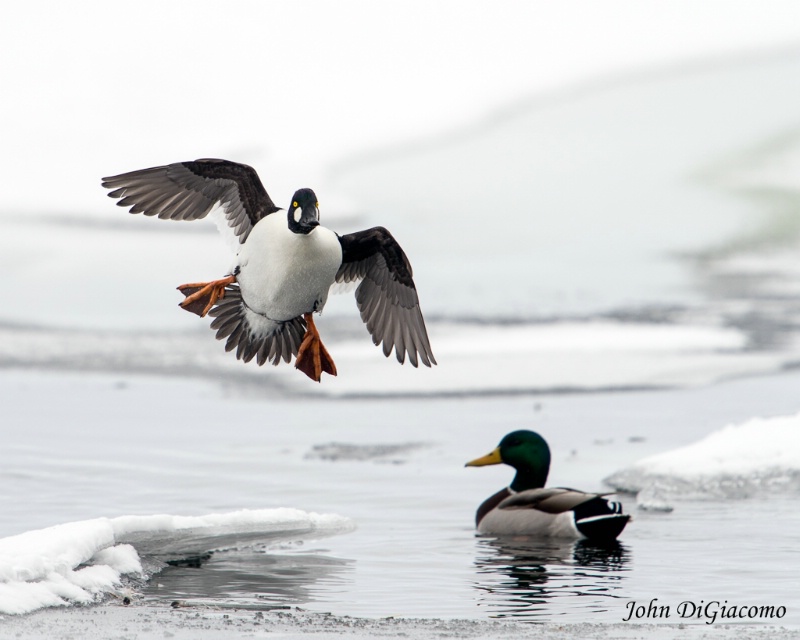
[[189, 190], [386, 295]]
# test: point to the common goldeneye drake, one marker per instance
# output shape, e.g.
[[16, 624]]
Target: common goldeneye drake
[[285, 266], [527, 508]]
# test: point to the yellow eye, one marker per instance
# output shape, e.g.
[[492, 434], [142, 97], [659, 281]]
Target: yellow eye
[[295, 205], [317, 205]]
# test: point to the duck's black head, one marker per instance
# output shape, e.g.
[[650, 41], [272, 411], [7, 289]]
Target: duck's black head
[[303, 213], [527, 452]]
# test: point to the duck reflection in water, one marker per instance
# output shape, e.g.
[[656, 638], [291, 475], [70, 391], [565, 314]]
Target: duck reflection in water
[[541, 579]]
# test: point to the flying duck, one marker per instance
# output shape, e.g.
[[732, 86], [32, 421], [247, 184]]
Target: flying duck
[[527, 508], [284, 268]]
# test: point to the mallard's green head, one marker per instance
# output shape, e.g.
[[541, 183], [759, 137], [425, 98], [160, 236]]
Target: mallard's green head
[[527, 452]]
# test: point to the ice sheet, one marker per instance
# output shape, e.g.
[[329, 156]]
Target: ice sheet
[[81, 562]]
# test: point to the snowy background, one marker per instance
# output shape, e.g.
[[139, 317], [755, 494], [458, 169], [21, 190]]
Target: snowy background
[[602, 206]]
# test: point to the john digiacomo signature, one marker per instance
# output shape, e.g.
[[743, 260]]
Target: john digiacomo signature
[[709, 611]]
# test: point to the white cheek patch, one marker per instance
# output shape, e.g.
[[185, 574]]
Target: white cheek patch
[[297, 214]]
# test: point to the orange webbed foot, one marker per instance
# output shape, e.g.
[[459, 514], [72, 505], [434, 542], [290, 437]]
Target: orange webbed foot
[[313, 358], [201, 296]]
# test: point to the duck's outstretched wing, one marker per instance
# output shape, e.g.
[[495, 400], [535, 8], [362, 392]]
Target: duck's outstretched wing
[[190, 190], [386, 295]]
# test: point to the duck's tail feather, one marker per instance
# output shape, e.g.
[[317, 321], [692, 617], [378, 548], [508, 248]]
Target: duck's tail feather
[[252, 334], [600, 519]]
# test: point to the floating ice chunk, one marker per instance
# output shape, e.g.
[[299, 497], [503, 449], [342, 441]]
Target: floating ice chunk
[[338, 451], [761, 455]]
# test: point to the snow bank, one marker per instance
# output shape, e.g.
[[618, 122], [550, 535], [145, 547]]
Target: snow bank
[[737, 461], [81, 562]]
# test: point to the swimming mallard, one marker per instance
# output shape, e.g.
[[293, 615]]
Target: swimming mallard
[[527, 508]]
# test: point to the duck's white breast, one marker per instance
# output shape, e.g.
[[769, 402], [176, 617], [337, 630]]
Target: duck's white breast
[[283, 274]]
